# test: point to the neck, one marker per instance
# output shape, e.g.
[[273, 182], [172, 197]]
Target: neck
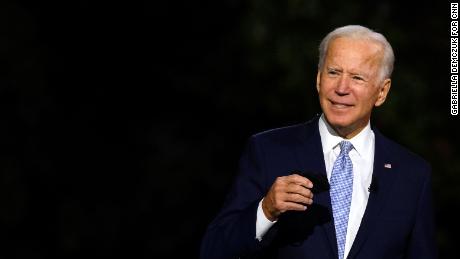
[[349, 131]]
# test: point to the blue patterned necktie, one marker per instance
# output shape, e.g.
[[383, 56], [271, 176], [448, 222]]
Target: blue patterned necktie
[[341, 190]]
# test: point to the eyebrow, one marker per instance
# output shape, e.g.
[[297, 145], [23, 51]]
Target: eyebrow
[[333, 68], [363, 75]]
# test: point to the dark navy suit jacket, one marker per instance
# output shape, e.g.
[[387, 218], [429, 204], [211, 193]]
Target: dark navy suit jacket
[[397, 223]]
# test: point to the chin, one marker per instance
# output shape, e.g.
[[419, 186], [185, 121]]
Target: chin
[[339, 120]]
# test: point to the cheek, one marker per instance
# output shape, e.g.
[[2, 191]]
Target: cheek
[[368, 99], [326, 88]]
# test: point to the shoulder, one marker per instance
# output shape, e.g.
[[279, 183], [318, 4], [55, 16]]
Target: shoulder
[[287, 135], [402, 156]]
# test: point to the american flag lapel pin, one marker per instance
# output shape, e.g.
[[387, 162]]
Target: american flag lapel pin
[[387, 166]]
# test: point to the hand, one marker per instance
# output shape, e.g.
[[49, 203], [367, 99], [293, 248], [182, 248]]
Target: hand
[[290, 192]]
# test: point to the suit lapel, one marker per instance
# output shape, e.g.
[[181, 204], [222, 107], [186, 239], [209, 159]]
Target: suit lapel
[[310, 157], [382, 179]]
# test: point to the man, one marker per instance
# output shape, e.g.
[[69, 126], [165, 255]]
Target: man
[[333, 187]]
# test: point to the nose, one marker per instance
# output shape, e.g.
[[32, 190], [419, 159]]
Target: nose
[[343, 86]]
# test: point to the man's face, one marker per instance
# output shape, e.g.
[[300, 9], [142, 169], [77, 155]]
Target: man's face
[[349, 84]]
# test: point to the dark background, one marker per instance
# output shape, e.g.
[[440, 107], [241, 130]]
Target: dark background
[[121, 124]]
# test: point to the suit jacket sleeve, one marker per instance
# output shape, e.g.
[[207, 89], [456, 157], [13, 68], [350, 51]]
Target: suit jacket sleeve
[[422, 243], [232, 234]]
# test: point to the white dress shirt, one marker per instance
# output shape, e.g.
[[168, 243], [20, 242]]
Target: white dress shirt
[[362, 157]]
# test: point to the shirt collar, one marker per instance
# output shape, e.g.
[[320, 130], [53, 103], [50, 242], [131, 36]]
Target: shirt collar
[[330, 139]]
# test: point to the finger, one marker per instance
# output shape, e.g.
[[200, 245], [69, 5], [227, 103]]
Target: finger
[[294, 188], [293, 206], [297, 198], [300, 180]]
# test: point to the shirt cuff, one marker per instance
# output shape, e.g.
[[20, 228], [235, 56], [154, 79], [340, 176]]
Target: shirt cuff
[[262, 223]]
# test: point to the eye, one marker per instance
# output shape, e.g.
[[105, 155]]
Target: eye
[[332, 72], [359, 78]]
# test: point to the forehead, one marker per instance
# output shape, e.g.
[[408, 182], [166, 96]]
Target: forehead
[[354, 53]]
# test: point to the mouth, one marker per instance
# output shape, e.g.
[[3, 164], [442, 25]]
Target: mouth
[[340, 105]]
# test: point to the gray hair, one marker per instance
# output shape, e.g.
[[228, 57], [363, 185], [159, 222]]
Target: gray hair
[[360, 32]]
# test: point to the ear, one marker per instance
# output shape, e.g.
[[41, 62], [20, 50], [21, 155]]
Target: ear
[[383, 92], [318, 80]]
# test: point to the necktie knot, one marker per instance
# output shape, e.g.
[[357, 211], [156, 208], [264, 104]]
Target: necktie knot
[[345, 147]]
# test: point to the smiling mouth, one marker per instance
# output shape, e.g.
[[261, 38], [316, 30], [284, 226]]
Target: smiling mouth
[[339, 105]]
